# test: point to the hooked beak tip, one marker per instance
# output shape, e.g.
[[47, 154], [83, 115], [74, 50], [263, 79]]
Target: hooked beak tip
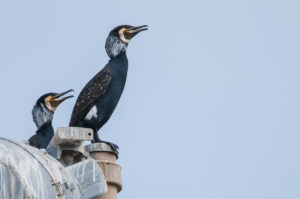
[[56, 100], [63, 93]]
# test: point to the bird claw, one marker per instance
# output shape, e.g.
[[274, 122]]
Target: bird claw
[[113, 146]]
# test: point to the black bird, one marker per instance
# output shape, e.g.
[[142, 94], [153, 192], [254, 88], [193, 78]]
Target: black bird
[[42, 114], [100, 96]]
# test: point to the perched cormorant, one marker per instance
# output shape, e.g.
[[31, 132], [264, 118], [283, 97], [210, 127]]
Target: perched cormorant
[[42, 114], [100, 96]]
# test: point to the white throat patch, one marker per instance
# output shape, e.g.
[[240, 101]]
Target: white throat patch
[[48, 105], [41, 115], [122, 37]]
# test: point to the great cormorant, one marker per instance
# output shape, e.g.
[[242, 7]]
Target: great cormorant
[[100, 96], [42, 114]]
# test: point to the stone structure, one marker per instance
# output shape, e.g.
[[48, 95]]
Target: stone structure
[[106, 159], [63, 171]]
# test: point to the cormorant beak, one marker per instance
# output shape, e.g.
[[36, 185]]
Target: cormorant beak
[[131, 32], [56, 100]]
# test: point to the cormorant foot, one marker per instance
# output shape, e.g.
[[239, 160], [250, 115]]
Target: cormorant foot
[[114, 147]]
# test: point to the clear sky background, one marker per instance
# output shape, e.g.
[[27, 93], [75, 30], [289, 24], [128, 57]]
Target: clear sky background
[[211, 105]]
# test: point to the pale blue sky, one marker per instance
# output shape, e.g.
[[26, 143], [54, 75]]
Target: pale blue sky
[[211, 105]]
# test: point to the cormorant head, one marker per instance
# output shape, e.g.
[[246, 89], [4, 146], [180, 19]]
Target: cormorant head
[[119, 38], [45, 106]]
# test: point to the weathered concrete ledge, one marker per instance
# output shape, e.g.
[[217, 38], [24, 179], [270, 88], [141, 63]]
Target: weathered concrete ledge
[[73, 135], [67, 144]]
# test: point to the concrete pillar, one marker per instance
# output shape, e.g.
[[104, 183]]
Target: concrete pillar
[[106, 159]]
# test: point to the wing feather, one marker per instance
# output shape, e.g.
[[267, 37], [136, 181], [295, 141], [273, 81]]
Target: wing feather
[[91, 94]]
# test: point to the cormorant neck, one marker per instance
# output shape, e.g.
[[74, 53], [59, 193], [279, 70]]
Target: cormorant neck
[[114, 46], [122, 55], [46, 129], [120, 63], [41, 115]]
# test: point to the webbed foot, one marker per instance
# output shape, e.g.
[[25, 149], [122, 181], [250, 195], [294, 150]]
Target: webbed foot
[[114, 147], [96, 139]]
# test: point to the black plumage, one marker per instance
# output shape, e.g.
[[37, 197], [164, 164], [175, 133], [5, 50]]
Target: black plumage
[[42, 113], [100, 96], [42, 137]]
